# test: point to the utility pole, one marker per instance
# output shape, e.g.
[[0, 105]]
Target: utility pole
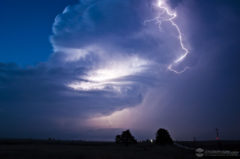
[[217, 134], [219, 144]]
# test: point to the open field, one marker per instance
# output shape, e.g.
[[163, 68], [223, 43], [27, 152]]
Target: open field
[[40, 149], [213, 145]]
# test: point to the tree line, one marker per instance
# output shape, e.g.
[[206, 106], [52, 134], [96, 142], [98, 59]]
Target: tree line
[[162, 138]]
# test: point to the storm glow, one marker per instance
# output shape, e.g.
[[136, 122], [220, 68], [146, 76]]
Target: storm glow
[[98, 67]]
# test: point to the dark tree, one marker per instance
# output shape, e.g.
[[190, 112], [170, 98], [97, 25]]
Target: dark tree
[[126, 138], [118, 139], [163, 137]]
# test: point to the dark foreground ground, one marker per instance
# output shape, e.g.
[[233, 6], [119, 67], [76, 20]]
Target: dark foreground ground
[[40, 149]]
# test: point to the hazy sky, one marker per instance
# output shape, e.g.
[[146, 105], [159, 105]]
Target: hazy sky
[[89, 69]]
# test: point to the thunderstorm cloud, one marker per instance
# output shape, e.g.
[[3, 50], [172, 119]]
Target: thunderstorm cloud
[[109, 71]]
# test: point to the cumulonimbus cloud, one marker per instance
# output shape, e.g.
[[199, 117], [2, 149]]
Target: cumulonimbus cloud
[[111, 41], [108, 68], [119, 53], [105, 59]]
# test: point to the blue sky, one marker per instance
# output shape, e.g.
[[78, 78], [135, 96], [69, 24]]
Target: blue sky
[[25, 29], [89, 69]]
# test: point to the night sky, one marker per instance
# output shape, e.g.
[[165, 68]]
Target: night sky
[[90, 69]]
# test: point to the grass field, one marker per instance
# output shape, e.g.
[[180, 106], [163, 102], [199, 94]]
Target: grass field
[[40, 149]]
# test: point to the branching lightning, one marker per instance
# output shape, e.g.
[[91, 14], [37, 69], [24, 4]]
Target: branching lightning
[[170, 16]]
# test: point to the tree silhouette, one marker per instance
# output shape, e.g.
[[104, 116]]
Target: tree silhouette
[[125, 138], [118, 139], [163, 137]]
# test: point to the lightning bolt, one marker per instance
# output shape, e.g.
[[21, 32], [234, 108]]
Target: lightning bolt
[[171, 15]]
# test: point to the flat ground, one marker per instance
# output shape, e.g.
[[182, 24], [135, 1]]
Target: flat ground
[[89, 150]]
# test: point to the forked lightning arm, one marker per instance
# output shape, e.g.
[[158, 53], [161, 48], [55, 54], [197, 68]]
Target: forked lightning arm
[[170, 18]]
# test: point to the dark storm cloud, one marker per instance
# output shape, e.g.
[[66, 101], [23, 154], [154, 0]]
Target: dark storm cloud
[[117, 26], [41, 94], [38, 101], [43, 86], [207, 96]]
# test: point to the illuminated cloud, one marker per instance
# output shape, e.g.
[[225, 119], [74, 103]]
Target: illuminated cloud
[[112, 51], [103, 66], [110, 71], [111, 75], [123, 54]]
